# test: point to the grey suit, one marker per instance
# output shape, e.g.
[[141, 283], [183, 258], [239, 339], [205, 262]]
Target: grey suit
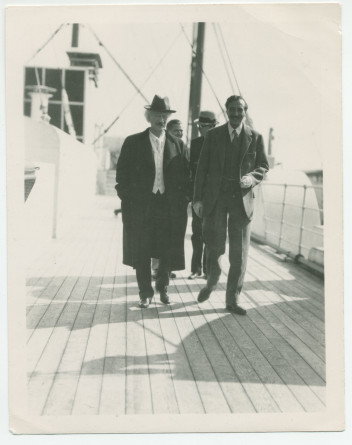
[[227, 207]]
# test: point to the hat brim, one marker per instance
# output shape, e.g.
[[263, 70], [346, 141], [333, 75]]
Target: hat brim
[[149, 108], [196, 121]]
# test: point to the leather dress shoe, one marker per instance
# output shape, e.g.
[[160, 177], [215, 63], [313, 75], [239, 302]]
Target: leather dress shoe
[[144, 302], [164, 298], [194, 275], [204, 294], [235, 309], [172, 275]]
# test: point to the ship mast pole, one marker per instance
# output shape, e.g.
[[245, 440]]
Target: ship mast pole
[[196, 79], [75, 35]]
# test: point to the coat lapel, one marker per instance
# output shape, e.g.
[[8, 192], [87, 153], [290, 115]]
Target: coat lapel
[[170, 151], [148, 149], [246, 141], [224, 138]]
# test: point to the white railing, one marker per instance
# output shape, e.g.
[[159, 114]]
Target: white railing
[[289, 218]]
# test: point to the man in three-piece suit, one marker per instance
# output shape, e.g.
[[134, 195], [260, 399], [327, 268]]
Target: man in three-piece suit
[[153, 183], [231, 164]]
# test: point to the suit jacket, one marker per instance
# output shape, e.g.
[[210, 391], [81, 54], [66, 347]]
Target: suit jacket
[[252, 162], [135, 174]]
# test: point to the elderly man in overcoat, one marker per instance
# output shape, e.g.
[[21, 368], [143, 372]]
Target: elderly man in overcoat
[[231, 164], [153, 183]]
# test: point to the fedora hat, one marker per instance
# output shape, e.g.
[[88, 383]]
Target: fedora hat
[[206, 117], [160, 105]]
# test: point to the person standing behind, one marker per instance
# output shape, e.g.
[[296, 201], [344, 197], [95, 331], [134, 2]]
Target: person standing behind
[[175, 128], [206, 121], [152, 176], [231, 164]]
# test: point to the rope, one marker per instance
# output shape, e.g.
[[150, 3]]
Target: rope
[[204, 74], [133, 97], [228, 56], [118, 65], [47, 41], [222, 56]]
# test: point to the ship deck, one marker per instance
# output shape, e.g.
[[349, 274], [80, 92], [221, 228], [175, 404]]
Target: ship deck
[[92, 351]]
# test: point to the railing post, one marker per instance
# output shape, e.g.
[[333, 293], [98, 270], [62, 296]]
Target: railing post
[[282, 213], [302, 219]]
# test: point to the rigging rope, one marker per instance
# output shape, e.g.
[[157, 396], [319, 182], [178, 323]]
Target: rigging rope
[[118, 65], [204, 74], [228, 56], [48, 41], [133, 97], [222, 56]]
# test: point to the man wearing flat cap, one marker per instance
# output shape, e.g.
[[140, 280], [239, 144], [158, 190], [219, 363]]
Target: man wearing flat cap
[[206, 121], [232, 162], [153, 183]]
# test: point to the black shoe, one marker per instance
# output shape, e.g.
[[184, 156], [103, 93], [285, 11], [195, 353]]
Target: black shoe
[[235, 309], [172, 275], [205, 276], [195, 275], [204, 294], [144, 302], [164, 298]]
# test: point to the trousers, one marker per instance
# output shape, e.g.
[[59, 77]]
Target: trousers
[[199, 250], [155, 236], [227, 217]]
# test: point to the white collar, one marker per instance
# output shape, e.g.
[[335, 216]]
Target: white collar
[[160, 138], [237, 130]]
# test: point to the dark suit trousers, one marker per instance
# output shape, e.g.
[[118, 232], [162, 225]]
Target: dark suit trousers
[[197, 244], [156, 233], [228, 215]]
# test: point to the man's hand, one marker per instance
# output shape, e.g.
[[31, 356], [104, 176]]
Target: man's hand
[[246, 182], [198, 208]]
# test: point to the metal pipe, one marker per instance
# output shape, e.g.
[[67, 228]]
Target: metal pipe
[[302, 219], [282, 214]]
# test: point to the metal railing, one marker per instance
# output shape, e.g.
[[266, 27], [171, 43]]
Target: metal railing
[[293, 218]]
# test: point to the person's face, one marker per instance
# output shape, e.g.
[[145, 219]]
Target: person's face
[[157, 122], [236, 113], [204, 128], [177, 130]]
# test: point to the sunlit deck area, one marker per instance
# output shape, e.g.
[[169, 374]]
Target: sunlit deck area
[[91, 350]]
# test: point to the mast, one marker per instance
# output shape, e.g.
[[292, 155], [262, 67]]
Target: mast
[[75, 35], [196, 78]]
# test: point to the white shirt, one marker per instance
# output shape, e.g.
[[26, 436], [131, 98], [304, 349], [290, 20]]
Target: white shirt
[[237, 130], [158, 145]]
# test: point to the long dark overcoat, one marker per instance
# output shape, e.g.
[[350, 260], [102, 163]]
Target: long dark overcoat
[[135, 174]]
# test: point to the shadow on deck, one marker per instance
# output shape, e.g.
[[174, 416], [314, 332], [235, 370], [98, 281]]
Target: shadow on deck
[[91, 350]]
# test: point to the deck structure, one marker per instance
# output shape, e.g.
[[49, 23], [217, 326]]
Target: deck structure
[[92, 351]]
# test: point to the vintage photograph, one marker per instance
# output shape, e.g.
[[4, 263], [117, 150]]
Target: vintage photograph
[[170, 207]]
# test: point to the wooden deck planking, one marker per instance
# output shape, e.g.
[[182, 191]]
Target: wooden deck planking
[[93, 351], [309, 308], [186, 389], [62, 328], [232, 372], [113, 392], [293, 276], [88, 392], [228, 385], [208, 387]]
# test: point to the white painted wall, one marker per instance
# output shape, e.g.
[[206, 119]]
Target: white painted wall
[[65, 185]]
